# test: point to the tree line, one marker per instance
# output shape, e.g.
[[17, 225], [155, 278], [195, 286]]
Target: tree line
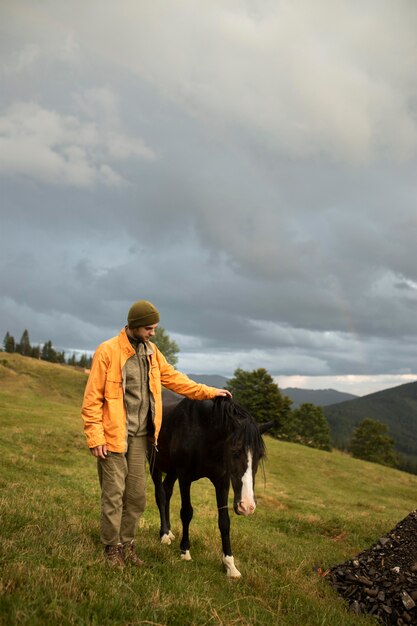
[[47, 352], [44, 352]]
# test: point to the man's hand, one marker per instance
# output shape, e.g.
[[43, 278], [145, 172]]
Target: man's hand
[[223, 392], [99, 451]]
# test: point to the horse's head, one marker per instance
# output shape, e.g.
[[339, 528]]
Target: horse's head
[[244, 466], [247, 452]]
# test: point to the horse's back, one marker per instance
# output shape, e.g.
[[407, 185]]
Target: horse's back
[[186, 432]]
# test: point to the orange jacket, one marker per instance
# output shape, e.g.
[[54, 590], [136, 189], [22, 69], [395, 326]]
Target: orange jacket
[[103, 409]]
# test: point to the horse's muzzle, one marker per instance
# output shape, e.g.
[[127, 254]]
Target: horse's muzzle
[[245, 508]]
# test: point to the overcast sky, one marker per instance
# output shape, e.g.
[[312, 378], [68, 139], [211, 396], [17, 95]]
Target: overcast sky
[[249, 166]]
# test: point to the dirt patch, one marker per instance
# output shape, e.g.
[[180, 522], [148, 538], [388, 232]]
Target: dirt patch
[[382, 581]]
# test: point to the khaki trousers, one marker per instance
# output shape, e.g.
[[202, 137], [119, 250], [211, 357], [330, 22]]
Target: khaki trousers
[[122, 479]]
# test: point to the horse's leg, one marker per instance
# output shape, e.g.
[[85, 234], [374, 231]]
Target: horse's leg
[[186, 517], [222, 493], [168, 485], [160, 499]]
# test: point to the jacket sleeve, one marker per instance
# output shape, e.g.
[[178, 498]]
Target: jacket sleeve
[[92, 407], [180, 383]]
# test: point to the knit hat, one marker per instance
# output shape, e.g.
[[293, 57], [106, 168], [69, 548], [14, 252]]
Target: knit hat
[[142, 313]]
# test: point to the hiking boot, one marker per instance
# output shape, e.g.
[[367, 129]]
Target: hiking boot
[[130, 556], [113, 555]]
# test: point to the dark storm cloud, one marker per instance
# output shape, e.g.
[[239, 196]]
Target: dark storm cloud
[[262, 194]]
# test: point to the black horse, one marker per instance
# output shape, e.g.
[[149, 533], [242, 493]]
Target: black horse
[[216, 439]]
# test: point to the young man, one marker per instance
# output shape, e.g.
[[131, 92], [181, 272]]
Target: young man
[[122, 407]]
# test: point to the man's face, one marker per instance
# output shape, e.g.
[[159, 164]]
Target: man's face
[[143, 333]]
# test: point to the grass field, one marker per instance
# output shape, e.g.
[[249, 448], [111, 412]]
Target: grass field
[[314, 509]]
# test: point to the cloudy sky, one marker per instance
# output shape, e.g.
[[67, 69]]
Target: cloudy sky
[[247, 165]]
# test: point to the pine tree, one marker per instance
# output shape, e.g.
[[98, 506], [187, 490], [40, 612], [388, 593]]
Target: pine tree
[[371, 442], [9, 343], [60, 357], [308, 425], [85, 361], [24, 346], [36, 352], [72, 360], [167, 346], [260, 395], [48, 353]]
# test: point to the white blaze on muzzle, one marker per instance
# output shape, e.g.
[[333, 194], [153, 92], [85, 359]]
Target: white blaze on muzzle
[[247, 504]]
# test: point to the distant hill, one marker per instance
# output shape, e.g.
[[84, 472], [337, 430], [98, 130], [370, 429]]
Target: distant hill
[[319, 397], [212, 380], [396, 407]]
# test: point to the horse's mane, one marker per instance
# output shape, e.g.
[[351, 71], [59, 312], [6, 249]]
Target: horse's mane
[[238, 424]]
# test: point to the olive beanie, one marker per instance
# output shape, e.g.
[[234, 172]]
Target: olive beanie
[[142, 313]]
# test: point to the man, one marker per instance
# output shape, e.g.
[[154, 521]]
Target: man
[[122, 407]]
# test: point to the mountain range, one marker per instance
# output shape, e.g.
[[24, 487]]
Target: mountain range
[[319, 397]]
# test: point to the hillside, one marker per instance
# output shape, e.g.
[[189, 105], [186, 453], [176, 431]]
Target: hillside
[[25, 380], [319, 397], [396, 407], [315, 509]]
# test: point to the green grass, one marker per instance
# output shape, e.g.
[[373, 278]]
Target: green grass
[[314, 509]]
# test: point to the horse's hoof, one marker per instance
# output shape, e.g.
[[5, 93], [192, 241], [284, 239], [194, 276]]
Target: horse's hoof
[[186, 556], [231, 569], [171, 535], [166, 540]]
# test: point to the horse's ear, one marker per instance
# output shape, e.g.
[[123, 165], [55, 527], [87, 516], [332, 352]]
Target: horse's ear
[[266, 426]]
